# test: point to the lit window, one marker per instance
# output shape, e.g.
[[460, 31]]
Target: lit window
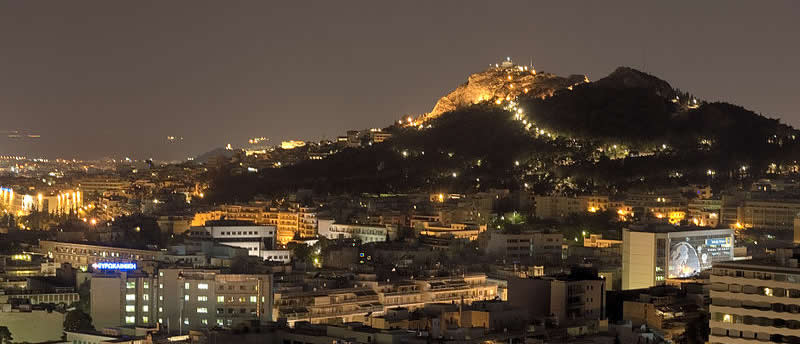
[[130, 308], [767, 291], [220, 299], [186, 321], [130, 320], [160, 309], [186, 285], [160, 274], [202, 286], [145, 319], [202, 298], [160, 297], [204, 321], [254, 299], [145, 308], [146, 297], [186, 297], [160, 320], [130, 297], [727, 318], [146, 285], [130, 285], [202, 310], [219, 322], [161, 286]]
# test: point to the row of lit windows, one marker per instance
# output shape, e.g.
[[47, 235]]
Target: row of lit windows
[[221, 299], [132, 319], [132, 285], [132, 308]]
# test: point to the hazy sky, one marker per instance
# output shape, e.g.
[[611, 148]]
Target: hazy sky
[[114, 78]]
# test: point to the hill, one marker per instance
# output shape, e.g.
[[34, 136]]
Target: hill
[[626, 130]]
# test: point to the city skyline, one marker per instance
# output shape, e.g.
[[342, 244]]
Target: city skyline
[[99, 80]]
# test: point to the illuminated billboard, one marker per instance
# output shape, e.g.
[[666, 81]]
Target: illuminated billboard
[[692, 252], [114, 266]]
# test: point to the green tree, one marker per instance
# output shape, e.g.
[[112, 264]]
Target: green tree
[[300, 251], [77, 321], [5, 335]]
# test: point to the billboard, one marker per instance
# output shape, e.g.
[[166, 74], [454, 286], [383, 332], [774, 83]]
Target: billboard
[[692, 252]]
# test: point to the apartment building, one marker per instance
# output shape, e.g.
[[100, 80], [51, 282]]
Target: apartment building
[[99, 186], [256, 239], [123, 298], [374, 298], [755, 301], [768, 214], [192, 299], [293, 221], [289, 222], [465, 231], [347, 305], [365, 233], [556, 207], [568, 299], [533, 245], [705, 212]]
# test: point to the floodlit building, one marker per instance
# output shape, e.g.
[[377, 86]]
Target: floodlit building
[[84, 255], [466, 231], [705, 212], [99, 186], [54, 202], [652, 253], [256, 239], [364, 233], [293, 221]]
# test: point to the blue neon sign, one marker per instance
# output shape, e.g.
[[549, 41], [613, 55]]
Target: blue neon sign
[[114, 266]]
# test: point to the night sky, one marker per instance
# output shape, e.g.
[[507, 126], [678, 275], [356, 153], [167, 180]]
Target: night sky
[[112, 79]]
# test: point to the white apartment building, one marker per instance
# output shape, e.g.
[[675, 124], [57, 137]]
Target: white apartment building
[[365, 233], [755, 302], [258, 240]]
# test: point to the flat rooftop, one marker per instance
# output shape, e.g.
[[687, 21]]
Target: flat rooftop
[[668, 228]]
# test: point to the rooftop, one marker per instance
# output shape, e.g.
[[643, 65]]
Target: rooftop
[[668, 228]]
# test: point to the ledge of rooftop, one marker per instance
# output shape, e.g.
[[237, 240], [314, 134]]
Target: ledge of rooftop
[[109, 245], [660, 227], [231, 223]]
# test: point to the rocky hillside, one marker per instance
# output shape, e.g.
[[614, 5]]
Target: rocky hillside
[[505, 81], [513, 128]]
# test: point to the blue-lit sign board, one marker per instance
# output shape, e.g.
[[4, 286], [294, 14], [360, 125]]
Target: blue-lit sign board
[[114, 266], [718, 241]]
